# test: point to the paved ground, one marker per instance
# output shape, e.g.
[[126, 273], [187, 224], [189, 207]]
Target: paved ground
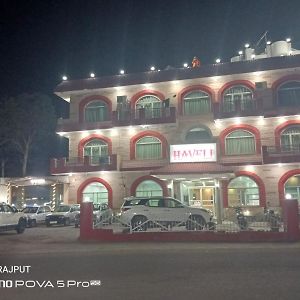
[[146, 270]]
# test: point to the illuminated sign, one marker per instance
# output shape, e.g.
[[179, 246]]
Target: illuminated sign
[[193, 153]]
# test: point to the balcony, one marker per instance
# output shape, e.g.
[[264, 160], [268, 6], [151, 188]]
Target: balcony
[[140, 116], [241, 159], [272, 154], [83, 164], [237, 108], [147, 164]]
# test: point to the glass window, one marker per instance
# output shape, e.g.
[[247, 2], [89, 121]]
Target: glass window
[[97, 150], [196, 103], [243, 191], [148, 148], [237, 95], [148, 188], [289, 94], [239, 142], [152, 106], [95, 192], [292, 187], [96, 111], [290, 139], [197, 135]]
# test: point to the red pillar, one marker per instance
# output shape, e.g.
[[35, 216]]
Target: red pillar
[[86, 219], [291, 219]]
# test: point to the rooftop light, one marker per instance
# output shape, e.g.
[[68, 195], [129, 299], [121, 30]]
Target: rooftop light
[[64, 78], [218, 60], [92, 75], [269, 42], [152, 68], [240, 52], [288, 40], [247, 45], [185, 65], [122, 72]]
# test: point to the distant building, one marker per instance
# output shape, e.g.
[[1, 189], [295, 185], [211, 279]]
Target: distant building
[[218, 136]]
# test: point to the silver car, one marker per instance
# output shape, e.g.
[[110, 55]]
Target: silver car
[[36, 214]]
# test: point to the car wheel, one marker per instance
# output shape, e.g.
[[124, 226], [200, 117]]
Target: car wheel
[[67, 222], [21, 226], [196, 223], [138, 223]]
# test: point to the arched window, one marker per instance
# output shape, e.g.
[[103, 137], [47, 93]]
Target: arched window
[[292, 187], [289, 94], [95, 192], [243, 191], [148, 188], [148, 147], [195, 103], [97, 150], [239, 142], [96, 111], [198, 134], [151, 104], [238, 95], [290, 139]]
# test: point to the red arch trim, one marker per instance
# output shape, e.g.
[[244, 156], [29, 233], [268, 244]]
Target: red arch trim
[[258, 181], [192, 88], [282, 127], [164, 143], [232, 128], [142, 93], [230, 84], [92, 137], [283, 179], [89, 99], [148, 177], [91, 180]]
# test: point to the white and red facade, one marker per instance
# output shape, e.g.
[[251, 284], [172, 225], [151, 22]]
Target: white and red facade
[[217, 136]]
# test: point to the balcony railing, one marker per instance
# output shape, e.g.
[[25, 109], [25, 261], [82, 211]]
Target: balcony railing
[[83, 164], [142, 116], [237, 109], [283, 154]]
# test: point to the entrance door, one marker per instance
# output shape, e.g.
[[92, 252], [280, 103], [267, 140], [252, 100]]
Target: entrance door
[[202, 197]]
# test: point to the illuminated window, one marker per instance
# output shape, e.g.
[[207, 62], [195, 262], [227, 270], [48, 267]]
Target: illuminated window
[[96, 111], [289, 94], [238, 96], [152, 106], [148, 188], [239, 142], [95, 192], [243, 191], [148, 148], [195, 103], [290, 139], [292, 187], [97, 150]]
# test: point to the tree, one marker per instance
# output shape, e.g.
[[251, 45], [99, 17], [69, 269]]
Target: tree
[[29, 123]]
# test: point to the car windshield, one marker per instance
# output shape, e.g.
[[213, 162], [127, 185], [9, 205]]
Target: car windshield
[[132, 202], [30, 210], [62, 209]]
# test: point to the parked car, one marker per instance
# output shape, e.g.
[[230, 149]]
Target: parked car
[[11, 218], [144, 212], [36, 214], [101, 213], [63, 215]]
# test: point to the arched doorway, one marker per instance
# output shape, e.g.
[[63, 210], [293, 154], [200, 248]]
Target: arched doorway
[[148, 188]]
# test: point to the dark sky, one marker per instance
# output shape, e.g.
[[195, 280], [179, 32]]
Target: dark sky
[[41, 40]]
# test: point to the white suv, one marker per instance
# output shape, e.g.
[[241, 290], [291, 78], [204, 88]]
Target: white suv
[[11, 219], [147, 212], [36, 214]]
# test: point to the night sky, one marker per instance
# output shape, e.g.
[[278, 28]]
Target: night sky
[[42, 40]]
